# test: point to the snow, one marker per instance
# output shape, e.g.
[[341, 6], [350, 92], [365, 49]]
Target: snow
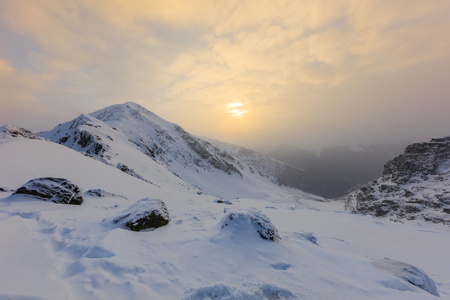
[[53, 251], [407, 273], [213, 247]]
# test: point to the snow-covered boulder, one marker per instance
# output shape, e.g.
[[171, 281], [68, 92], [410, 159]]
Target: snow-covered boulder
[[237, 220], [408, 273], [57, 190], [145, 214]]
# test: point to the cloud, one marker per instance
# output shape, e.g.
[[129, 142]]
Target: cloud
[[299, 66]]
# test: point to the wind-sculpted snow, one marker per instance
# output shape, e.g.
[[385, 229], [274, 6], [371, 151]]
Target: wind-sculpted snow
[[407, 273], [414, 185]]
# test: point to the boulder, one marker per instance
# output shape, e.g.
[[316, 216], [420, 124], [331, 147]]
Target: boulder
[[57, 190], [145, 214], [250, 219]]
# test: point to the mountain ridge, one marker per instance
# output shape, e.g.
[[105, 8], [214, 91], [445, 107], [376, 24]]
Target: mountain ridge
[[106, 133]]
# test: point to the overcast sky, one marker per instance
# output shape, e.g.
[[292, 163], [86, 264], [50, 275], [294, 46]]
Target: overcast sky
[[308, 73]]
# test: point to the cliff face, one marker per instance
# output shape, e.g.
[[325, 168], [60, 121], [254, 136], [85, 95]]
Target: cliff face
[[414, 185], [419, 161]]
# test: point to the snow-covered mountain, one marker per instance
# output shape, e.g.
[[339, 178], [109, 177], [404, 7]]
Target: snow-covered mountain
[[113, 133], [274, 242], [414, 185]]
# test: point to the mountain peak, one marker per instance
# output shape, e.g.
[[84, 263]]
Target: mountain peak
[[128, 110]]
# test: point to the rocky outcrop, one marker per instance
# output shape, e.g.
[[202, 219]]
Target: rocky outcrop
[[414, 185], [124, 168], [239, 221], [419, 161], [14, 132], [57, 190], [101, 193], [145, 214], [79, 135]]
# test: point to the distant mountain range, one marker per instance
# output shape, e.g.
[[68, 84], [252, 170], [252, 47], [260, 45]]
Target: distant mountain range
[[335, 171]]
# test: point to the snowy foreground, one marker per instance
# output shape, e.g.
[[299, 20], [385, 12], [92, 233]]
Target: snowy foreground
[[57, 251]]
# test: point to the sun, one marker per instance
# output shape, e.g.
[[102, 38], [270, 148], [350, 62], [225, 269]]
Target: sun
[[235, 109]]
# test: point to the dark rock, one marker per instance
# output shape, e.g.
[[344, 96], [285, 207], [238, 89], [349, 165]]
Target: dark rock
[[124, 168], [145, 214], [57, 190], [4, 189], [79, 136], [101, 193], [228, 202], [252, 219]]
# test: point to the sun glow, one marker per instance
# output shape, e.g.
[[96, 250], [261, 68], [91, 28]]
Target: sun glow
[[235, 109]]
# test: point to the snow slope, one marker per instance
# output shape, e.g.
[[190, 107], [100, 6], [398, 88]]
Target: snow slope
[[117, 133], [56, 251]]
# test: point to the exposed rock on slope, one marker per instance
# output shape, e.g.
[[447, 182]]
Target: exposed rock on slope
[[12, 131], [414, 185], [57, 190], [101, 193], [78, 135]]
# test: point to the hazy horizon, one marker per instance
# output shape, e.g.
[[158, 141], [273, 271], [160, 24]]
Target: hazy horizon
[[311, 74]]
